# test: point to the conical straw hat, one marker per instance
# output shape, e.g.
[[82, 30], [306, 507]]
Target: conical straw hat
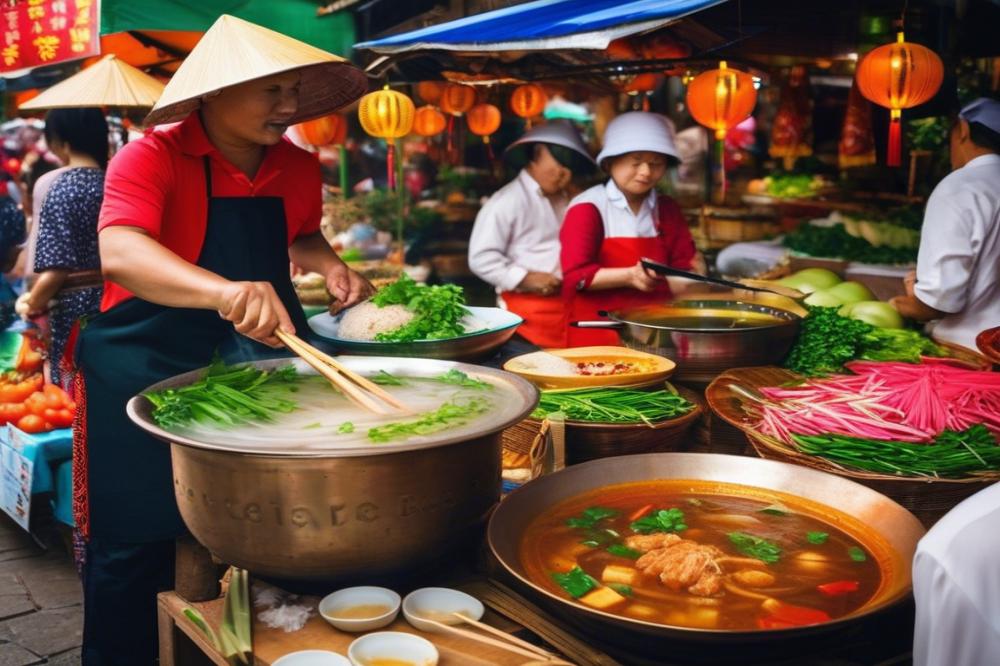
[[235, 51], [108, 82]]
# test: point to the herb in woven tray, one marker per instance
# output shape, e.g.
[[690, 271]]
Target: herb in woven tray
[[228, 395], [438, 310], [613, 405], [952, 454]]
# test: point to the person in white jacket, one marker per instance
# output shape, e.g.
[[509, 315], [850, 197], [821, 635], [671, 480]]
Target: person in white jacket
[[515, 240], [957, 281]]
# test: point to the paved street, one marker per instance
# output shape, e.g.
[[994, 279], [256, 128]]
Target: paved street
[[41, 617]]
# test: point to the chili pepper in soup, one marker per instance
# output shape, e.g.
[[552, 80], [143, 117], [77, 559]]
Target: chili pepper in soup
[[702, 555]]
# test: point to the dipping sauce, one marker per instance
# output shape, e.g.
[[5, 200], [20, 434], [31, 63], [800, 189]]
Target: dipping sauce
[[440, 616], [360, 612], [388, 661]]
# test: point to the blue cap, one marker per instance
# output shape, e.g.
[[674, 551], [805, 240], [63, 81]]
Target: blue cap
[[984, 111]]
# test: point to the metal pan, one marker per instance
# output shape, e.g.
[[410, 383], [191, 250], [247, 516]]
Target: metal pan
[[702, 353]]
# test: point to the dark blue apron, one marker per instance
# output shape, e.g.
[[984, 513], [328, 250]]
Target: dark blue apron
[[130, 496]]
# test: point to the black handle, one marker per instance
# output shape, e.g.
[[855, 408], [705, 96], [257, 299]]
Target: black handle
[[663, 269]]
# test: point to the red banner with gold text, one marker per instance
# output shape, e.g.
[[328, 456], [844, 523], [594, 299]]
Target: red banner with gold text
[[45, 32]]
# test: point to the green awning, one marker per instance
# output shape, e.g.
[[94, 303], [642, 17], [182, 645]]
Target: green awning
[[295, 18]]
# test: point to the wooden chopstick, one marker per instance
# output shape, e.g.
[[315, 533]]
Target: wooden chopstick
[[473, 636], [360, 380], [341, 382], [545, 654]]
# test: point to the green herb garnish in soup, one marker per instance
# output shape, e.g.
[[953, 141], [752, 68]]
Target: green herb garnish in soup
[[385, 379], [459, 378], [724, 562]]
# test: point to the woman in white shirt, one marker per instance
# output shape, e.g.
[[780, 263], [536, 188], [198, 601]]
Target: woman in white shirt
[[957, 280], [515, 240]]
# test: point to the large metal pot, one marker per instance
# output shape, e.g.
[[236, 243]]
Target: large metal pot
[[897, 526], [701, 353], [334, 514]]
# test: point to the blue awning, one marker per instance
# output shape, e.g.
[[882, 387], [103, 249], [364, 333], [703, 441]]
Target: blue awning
[[543, 25]]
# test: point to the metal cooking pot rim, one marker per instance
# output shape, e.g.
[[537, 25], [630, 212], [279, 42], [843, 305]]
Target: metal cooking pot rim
[[593, 613], [138, 407], [788, 318]]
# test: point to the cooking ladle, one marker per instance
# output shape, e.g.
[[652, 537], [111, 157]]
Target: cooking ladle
[[663, 269]]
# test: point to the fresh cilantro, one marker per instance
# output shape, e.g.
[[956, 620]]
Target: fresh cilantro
[[312, 426], [776, 510], [346, 428], [818, 538], [385, 379], [664, 520], [755, 547], [590, 517], [621, 588], [459, 378], [438, 310], [621, 550], [857, 554], [576, 582]]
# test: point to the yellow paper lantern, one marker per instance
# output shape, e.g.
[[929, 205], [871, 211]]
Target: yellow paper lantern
[[899, 76], [428, 121], [388, 115], [721, 98]]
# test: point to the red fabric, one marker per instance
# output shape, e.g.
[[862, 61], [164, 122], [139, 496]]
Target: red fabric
[[81, 505], [585, 305], [544, 318], [158, 184], [583, 232]]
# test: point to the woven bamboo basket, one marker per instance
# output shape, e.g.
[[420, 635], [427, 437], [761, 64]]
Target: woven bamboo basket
[[928, 499], [590, 441], [524, 447]]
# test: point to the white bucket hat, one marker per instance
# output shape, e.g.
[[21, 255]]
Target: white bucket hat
[[559, 133], [636, 131]]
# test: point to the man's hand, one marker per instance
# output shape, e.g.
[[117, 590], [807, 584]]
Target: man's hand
[[912, 307], [642, 279], [909, 282], [347, 286], [536, 282], [255, 311]]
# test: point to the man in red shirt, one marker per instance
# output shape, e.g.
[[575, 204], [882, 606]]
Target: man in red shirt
[[198, 225]]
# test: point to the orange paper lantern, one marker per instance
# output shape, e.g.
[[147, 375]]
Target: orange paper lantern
[[622, 49], [483, 120], [899, 76], [388, 115], [721, 98], [324, 131], [430, 91], [428, 121], [645, 82], [456, 99], [528, 101]]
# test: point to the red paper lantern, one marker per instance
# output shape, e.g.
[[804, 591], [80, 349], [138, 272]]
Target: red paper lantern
[[428, 121], [721, 98], [324, 131], [899, 76], [456, 99], [528, 101], [483, 120], [430, 91]]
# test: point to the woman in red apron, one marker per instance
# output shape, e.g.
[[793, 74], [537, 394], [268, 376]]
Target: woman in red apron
[[609, 228], [515, 241]]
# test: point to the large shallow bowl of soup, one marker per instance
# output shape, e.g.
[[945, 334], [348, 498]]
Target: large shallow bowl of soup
[[694, 547], [705, 336], [328, 491]]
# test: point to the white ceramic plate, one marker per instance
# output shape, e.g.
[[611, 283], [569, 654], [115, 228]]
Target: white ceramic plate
[[312, 658], [408, 648]]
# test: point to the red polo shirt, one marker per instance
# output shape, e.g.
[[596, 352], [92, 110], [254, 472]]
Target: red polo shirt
[[158, 184]]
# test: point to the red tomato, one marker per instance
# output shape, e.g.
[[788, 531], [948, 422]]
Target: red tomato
[[9, 393], [59, 418], [55, 396], [33, 423], [37, 403], [12, 412]]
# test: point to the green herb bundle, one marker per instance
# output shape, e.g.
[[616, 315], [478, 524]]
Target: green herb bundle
[[438, 310], [828, 340], [952, 454], [228, 395], [613, 405], [836, 242]]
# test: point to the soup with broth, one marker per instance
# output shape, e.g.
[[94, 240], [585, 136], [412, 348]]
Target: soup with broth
[[704, 555]]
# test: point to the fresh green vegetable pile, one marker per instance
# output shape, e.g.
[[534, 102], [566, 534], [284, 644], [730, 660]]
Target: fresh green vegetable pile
[[613, 405], [835, 242], [228, 395], [951, 455], [828, 340], [793, 185], [438, 310]]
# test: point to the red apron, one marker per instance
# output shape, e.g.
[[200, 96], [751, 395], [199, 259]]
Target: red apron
[[584, 305], [544, 318]]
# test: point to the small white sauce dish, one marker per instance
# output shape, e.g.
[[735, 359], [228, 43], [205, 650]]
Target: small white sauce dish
[[312, 658], [438, 604], [359, 597], [392, 646]]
